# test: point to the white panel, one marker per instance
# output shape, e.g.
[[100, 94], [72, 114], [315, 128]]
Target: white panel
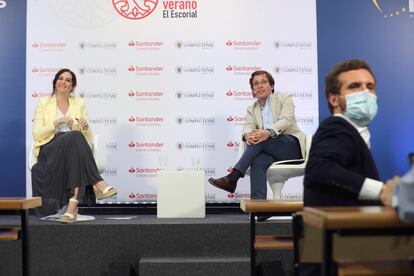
[[181, 194], [171, 93]]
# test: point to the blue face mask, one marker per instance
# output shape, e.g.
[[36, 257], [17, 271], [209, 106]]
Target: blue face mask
[[361, 107]]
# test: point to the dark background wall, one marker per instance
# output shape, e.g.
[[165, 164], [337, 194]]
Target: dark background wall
[[12, 103], [356, 29], [346, 29]]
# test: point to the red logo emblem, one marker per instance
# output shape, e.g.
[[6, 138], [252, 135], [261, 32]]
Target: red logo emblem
[[131, 145], [131, 195], [35, 45], [34, 95], [131, 170], [229, 68], [35, 70], [229, 93], [230, 119], [135, 9], [230, 195], [230, 169], [229, 43], [131, 119], [230, 144], [131, 68], [131, 93], [131, 43]]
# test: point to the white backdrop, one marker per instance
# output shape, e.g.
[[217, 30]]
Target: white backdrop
[[170, 92]]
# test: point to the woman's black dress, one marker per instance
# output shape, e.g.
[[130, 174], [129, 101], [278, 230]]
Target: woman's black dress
[[66, 162]]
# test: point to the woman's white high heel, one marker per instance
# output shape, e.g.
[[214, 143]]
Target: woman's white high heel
[[68, 217]]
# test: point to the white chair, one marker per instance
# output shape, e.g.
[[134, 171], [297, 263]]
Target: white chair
[[97, 148], [279, 172]]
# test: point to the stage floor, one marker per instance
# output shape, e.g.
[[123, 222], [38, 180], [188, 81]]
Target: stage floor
[[218, 244]]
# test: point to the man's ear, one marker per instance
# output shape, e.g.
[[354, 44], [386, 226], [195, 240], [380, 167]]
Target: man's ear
[[333, 100]]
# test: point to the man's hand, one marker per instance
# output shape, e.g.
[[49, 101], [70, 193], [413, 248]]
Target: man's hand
[[386, 192], [256, 136]]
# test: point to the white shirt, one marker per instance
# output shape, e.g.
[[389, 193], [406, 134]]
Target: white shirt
[[371, 188], [62, 127], [267, 114]]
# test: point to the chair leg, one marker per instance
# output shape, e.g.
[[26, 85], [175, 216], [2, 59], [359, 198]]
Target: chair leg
[[277, 189]]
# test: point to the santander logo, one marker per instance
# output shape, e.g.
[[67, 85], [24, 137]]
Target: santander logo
[[229, 43], [232, 144], [236, 119], [229, 68], [239, 94], [36, 94], [134, 9]]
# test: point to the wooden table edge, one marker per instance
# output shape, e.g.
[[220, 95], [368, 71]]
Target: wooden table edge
[[10, 203]]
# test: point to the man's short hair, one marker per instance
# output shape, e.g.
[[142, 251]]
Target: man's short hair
[[332, 83], [262, 72]]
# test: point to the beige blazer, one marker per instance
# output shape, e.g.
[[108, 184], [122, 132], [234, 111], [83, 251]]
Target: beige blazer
[[45, 115], [283, 113]]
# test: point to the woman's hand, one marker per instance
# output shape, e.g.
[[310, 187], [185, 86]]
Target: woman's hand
[[63, 120], [82, 123]]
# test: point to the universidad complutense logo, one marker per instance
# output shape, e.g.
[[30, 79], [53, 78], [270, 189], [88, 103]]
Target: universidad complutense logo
[[134, 9]]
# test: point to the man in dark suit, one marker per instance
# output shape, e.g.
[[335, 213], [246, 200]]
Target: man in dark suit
[[341, 170]]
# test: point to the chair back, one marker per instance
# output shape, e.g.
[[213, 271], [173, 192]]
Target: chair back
[[98, 151], [308, 143], [32, 158]]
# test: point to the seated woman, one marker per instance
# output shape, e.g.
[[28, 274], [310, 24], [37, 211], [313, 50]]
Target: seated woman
[[65, 172]]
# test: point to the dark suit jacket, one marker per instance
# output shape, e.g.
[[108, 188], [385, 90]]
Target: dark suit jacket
[[339, 162]]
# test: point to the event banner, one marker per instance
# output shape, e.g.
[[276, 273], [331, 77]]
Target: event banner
[[166, 83]]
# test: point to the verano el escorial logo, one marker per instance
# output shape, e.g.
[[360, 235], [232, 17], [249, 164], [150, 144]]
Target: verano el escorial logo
[[140, 9], [135, 9]]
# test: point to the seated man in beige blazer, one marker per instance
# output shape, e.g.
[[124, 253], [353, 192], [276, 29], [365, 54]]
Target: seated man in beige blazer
[[271, 135]]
